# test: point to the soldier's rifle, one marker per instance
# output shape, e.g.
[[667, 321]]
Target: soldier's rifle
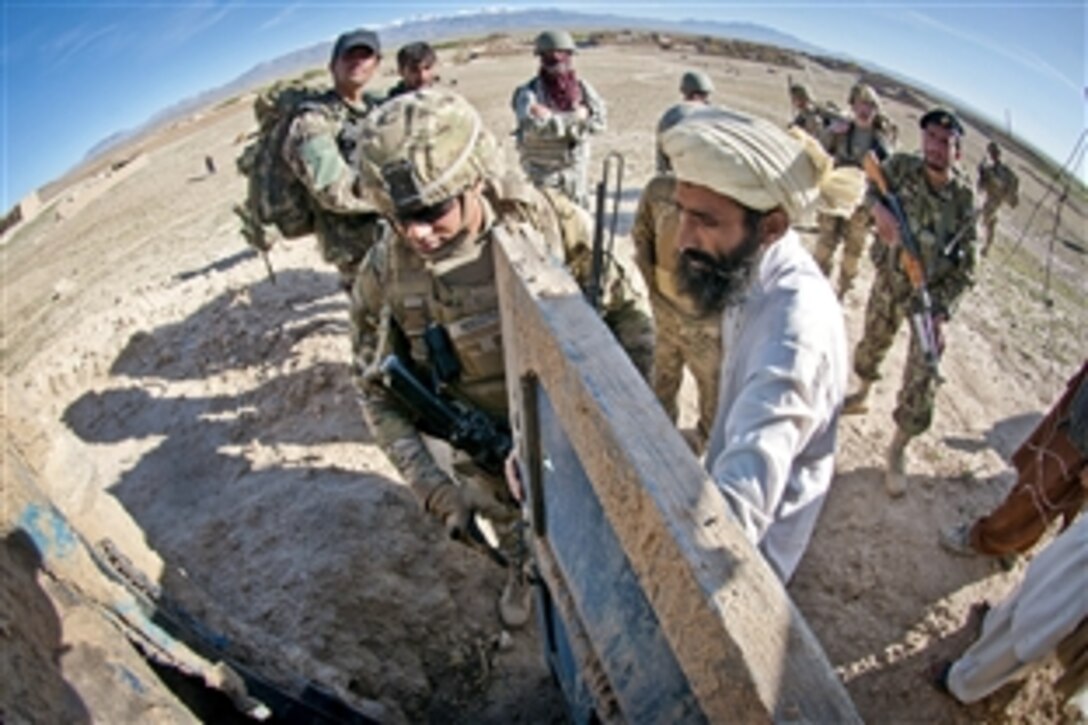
[[612, 165], [910, 258], [256, 237], [465, 428]]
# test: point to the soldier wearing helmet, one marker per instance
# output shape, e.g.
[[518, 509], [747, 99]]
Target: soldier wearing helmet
[[696, 86], [848, 141], [1000, 185], [556, 112], [939, 205], [438, 179], [808, 116]]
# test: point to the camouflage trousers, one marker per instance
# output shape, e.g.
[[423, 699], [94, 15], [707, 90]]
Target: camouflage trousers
[[571, 180], [695, 343], [884, 314], [851, 232], [633, 327]]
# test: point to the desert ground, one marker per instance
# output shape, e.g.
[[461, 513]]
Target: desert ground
[[168, 396]]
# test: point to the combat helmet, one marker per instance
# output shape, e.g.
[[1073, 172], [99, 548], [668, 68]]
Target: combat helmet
[[551, 40], [424, 148], [674, 115], [863, 93], [696, 82], [800, 92]]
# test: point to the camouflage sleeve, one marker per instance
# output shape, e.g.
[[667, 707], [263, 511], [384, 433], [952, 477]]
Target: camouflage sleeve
[[524, 98], [575, 230], [598, 111], [373, 336], [957, 269], [625, 304], [312, 153], [1014, 189], [643, 233], [560, 124]]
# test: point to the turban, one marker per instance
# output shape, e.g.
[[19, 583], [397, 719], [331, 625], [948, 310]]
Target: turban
[[760, 165]]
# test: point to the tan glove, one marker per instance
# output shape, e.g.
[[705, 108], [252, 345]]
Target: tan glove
[[446, 504], [454, 506]]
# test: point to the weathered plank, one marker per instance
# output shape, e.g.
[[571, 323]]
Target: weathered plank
[[683, 616]]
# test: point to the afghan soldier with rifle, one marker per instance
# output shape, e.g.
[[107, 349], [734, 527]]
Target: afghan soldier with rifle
[[925, 260], [426, 333]]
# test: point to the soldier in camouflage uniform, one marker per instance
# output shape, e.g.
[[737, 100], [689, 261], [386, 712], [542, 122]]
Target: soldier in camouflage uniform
[[848, 141], [1000, 185], [437, 177], [556, 112], [938, 203], [695, 87], [809, 118], [320, 150], [684, 334]]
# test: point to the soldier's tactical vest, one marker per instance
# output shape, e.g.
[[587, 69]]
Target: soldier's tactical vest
[[459, 294], [543, 148]]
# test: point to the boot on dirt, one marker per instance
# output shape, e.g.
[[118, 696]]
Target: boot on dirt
[[516, 602], [895, 476], [957, 540], [856, 403]]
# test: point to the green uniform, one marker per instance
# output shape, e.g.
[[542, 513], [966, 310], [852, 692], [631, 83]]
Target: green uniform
[[683, 336], [936, 218], [320, 149], [1000, 185]]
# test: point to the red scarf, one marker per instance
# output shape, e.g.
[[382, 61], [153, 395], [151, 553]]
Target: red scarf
[[562, 91]]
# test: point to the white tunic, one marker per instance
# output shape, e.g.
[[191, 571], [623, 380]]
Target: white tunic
[[1031, 622], [772, 446]]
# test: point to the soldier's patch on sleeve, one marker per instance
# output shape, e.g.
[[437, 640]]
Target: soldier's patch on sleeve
[[322, 157]]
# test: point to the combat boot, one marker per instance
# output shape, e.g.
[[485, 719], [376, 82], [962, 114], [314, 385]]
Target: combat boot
[[856, 403], [895, 476], [516, 603]]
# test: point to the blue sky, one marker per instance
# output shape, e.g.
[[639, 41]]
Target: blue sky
[[72, 73]]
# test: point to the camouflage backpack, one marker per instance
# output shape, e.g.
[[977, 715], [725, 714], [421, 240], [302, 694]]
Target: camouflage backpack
[[275, 197]]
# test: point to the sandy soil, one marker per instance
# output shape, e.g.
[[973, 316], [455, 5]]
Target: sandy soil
[[168, 396]]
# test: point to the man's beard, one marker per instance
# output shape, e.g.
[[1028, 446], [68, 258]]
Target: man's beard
[[715, 282]]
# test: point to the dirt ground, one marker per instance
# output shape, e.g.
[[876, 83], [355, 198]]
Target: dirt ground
[[171, 398]]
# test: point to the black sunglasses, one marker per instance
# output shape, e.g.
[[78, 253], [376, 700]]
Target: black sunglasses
[[428, 214]]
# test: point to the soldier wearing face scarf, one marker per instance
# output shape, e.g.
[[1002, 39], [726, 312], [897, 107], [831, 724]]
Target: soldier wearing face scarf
[[556, 113]]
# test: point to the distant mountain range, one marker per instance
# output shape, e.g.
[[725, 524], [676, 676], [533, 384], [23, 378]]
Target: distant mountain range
[[436, 28]]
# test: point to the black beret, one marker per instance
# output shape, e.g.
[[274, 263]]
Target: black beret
[[943, 118]]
